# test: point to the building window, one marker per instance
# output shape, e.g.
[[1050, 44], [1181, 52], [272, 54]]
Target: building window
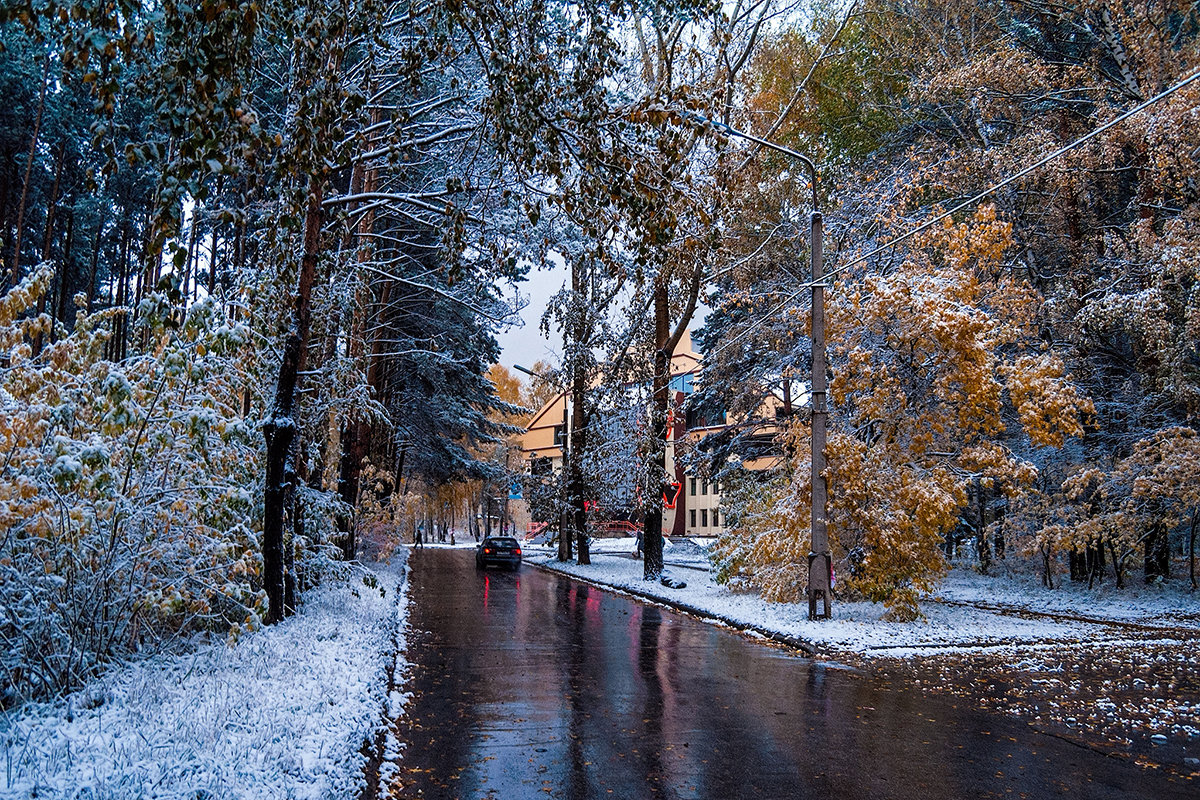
[[716, 518], [704, 518], [693, 488], [693, 515], [704, 487]]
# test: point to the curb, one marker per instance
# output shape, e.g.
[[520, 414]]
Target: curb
[[803, 645], [675, 564]]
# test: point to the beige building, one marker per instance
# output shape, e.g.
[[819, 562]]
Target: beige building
[[697, 508]]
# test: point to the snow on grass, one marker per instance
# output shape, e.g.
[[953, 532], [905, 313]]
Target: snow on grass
[[283, 713], [1157, 604], [859, 627]]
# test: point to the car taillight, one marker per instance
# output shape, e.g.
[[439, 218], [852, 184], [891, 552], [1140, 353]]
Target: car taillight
[[487, 549], [517, 551]]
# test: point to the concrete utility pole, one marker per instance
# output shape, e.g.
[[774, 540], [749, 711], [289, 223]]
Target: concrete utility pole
[[820, 559]]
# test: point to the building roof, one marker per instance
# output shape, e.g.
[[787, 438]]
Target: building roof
[[538, 438]]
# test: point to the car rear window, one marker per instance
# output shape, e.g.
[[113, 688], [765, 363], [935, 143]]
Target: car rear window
[[505, 542]]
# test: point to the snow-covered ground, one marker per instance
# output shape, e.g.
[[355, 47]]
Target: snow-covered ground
[[968, 612], [282, 713]]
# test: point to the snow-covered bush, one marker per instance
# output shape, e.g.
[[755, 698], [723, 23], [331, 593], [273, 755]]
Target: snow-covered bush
[[129, 491]]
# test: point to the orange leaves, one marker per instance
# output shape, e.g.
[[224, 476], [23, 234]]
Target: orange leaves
[[1051, 407], [974, 247], [922, 381], [926, 358], [921, 348], [1163, 472], [919, 343], [1155, 487], [887, 519]]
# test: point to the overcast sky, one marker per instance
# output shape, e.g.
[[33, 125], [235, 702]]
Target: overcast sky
[[526, 344]]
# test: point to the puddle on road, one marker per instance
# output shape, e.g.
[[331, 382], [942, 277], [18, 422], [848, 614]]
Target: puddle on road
[[1111, 697]]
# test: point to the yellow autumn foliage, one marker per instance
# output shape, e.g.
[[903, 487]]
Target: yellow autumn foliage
[[926, 361]]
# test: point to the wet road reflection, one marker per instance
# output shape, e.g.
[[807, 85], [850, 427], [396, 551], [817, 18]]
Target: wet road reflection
[[532, 685]]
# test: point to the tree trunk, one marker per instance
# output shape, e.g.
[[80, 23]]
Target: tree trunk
[[212, 259], [358, 434], [94, 267], [1192, 547], [998, 542], [983, 552], [1118, 566], [14, 271], [1095, 556], [280, 428], [48, 240], [191, 274], [66, 273], [354, 444], [1077, 565], [652, 539], [1157, 562], [296, 513], [116, 346], [576, 489], [564, 536]]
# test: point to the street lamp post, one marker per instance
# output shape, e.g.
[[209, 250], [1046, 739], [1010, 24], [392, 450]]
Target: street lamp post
[[565, 518], [820, 559]]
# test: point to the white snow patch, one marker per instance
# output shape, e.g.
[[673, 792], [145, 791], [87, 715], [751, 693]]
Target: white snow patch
[[283, 713]]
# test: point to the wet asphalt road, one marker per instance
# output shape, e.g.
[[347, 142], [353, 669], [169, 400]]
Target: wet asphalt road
[[531, 685]]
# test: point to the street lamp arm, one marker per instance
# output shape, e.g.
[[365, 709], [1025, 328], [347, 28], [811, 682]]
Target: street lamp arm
[[787, 151], [537, 375]]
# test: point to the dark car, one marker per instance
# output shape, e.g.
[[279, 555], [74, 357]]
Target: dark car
[[503, 551]]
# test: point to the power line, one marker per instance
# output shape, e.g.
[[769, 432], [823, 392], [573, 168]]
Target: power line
[[971, 201]]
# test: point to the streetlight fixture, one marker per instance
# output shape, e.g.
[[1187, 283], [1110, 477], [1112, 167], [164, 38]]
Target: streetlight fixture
[[820, 559]]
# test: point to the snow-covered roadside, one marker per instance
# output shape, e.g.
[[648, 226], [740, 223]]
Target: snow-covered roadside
[[283, 713], [859, 628], [1171, 605]]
